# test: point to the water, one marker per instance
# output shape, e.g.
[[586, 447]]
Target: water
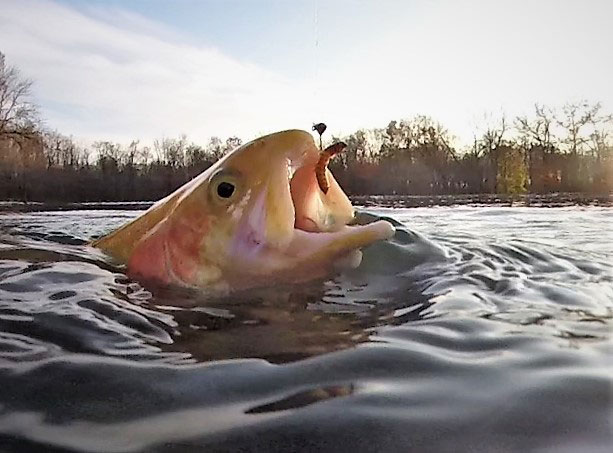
[[476, 329]]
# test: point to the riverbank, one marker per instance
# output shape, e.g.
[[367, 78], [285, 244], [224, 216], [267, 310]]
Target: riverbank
[[552, 200]]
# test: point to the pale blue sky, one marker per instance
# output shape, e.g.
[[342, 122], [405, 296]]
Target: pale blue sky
[[150, 68]]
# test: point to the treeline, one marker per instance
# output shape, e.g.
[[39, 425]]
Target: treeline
[[53, 167], [568, 149]]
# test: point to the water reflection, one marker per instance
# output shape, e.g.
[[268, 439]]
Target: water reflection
[[304, 398], [280, 324]]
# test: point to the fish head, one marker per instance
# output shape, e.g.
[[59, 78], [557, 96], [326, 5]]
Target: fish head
[[256, 217]]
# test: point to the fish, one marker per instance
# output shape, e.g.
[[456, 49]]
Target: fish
[[255, 218]]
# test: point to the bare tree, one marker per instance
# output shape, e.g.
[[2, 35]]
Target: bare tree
[[574, 119], [486, 152], [232, 143], [600, 139], [18, 115], [494, 134], [537, 131], [215, 148], [18, 123], [599, 145]]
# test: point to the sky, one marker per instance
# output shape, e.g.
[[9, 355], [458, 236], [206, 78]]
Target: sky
[[147, 69]]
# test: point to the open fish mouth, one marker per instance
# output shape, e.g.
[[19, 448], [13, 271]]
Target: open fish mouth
[[295, 227]]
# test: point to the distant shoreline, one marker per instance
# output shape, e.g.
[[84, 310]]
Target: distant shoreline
[[552, 200]]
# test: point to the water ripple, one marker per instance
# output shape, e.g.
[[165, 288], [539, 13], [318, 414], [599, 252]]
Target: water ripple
[[473, 330]]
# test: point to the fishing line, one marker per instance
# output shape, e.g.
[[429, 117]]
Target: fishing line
[[316, 63]]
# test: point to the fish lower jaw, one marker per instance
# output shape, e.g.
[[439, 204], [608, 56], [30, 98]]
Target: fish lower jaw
[[328, 246], [307, 256], [252, 255]]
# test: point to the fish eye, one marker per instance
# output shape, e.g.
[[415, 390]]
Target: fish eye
[[225, 189]]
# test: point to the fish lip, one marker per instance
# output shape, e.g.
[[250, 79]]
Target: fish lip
[[317, 254], [380, 230]]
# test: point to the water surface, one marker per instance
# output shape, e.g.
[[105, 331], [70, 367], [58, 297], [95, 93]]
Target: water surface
[[475, 329]]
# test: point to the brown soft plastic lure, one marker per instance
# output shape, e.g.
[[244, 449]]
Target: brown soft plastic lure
[[322, 164]]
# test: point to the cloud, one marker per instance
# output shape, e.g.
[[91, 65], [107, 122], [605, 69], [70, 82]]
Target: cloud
[[131, 78], [107, 73]]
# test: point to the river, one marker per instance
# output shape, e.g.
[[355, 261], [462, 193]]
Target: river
[[474, 329]]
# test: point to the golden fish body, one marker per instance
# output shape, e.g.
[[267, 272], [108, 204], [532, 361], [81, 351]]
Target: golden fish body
[[255, 218]]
